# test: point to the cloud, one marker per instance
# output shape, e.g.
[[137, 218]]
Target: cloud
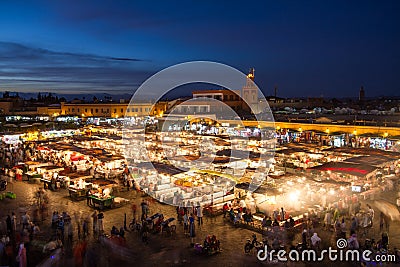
[[25, 68]]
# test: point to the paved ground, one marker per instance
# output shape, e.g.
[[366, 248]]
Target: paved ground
[[167, 251]]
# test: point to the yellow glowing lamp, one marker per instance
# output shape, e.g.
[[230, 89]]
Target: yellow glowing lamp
[[327, 131], [385, 135]]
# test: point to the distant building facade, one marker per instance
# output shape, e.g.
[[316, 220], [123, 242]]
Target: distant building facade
[[229, 97], [113, 109]]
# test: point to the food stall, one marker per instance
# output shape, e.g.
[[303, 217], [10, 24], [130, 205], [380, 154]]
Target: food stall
[[50, 177], [78, 187], [31, 166], [101, 198]]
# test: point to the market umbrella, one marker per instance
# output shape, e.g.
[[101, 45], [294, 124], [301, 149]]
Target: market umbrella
[[389, 209]]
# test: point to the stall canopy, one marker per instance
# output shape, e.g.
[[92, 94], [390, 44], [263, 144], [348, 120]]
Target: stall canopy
[[239, 154], [76, 157], [161, 167], [366, 151], [360, 170], [264, 189], [370, 160], [290, 151]]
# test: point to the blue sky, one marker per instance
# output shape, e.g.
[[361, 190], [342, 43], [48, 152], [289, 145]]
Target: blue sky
[[305, 48]]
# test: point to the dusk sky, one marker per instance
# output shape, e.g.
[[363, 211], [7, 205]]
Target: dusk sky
[[305, 48]]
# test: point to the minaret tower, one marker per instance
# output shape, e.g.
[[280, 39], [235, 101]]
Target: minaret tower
[[361, 95], [250, 92]]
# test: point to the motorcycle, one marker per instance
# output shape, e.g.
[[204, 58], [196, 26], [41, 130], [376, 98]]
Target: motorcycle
[[3, 185], [253, 244]]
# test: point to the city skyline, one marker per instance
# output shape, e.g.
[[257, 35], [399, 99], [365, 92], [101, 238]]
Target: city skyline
[[305, 49]]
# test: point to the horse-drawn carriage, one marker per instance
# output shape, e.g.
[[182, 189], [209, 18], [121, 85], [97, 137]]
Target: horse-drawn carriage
[[210, 246], [166, 228], [154, 222]]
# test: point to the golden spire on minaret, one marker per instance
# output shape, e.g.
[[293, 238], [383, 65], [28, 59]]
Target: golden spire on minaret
[[251, 74]]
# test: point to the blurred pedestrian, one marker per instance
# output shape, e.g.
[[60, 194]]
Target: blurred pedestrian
[[70, 231], [283, 214], [85, 228], [13, 222], [95, 222], [134, 208], [21, 256], [9, 224], [192, 232], [100, 218], [199, 211]]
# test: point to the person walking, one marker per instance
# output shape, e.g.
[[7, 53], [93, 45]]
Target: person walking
[[9, 224], [25, 220], [354, 225], [100, 218], [61, 228], [381, 221], [275, 214], [315, 241], [78, 227], [192, 232], [353, 242], [144, 209], [3, 254], [85, 228], [225, 209], [336, 215], [70, 231], [95, 222], [134, 208], [328, 220], [185, 223], [13, 222], [199, 211], [21, 256], [304, 238], [371, 214], [283, 214]]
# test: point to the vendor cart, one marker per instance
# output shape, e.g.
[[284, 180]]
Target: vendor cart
[[47, 183], [78, 194], [32, 175], [100, 202]]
